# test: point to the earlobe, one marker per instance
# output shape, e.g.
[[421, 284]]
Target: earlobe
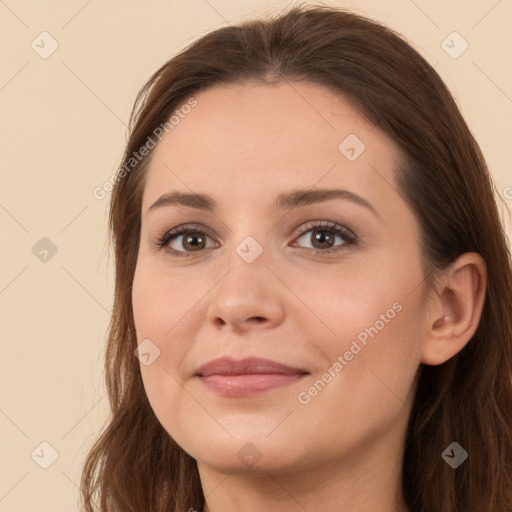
[[458, 303]]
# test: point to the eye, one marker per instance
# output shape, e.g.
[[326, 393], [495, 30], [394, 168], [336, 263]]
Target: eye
[[324, 234], [194, 238]]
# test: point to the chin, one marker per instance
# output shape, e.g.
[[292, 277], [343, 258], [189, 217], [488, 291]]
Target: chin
[[244, 454]]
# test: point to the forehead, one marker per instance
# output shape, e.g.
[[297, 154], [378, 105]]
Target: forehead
[[254, 140]]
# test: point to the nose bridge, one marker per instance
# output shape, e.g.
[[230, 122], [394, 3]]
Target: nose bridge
[[248, 258], [250, 234]]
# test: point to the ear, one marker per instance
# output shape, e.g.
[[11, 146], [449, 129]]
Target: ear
[[455, 309]]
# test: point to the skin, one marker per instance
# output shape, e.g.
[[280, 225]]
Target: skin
[[243, 145]]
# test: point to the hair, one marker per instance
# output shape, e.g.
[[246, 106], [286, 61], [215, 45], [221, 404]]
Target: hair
[[134, 465]]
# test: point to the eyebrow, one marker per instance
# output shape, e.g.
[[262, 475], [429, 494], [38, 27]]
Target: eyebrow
[[285, 201]]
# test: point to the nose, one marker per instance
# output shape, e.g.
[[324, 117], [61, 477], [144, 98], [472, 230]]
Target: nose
[[247, 296]]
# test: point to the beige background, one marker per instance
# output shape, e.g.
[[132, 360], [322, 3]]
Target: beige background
[[63, 124]]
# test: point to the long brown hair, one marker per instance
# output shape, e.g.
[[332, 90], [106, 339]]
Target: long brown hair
[[135, 465]]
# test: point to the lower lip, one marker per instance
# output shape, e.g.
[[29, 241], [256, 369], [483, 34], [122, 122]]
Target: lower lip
[[249, 384]]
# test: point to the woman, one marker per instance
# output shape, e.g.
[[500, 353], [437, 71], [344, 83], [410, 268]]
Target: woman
[[313, 276]]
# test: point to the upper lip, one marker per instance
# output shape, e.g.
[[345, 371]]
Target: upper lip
[[248, 365]]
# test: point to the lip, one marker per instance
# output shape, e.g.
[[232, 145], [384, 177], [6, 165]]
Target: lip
[[246, 366], [246, 377]]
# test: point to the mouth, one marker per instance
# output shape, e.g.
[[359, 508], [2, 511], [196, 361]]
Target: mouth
[[229, 377]]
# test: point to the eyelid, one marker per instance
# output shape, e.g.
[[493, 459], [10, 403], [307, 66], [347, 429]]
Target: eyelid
[[327, 224]]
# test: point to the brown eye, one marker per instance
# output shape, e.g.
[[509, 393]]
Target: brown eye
[[194, 241], [184, 240], [323, 237]]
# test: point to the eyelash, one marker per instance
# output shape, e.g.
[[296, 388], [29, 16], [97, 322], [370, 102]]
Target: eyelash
[[347, 235]]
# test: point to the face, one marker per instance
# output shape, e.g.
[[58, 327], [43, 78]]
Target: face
[[330, 285]]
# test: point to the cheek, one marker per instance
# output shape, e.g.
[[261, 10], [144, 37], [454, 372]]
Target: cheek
[[341, 305], [155, 312], [163, 314], [160, 323], [160, 304], [380, 350], [379, 307], [377, 320], [374, 389]]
